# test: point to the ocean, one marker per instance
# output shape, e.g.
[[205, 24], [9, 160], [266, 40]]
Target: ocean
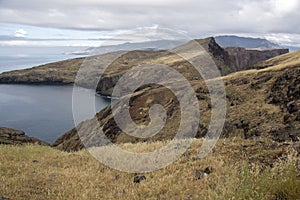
[[44, 112], [21, 57]]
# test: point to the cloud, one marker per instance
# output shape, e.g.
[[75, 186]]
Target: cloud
[[195, 16], [20, 33], [283, 7]]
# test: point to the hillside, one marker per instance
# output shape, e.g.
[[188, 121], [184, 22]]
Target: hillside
[[260, 103], [257, 156], [130, 46], [64, 72], [241, 169]]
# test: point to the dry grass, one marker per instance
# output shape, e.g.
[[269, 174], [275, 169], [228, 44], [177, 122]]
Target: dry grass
[[239, 173]]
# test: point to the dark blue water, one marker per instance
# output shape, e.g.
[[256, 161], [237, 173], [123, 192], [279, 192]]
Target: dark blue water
[[44, 112]]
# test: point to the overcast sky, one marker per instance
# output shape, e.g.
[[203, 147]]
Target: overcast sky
[[74, 22]]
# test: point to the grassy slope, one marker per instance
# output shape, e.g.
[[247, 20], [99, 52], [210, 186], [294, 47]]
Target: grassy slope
[[244, 169], [248, 99], [62, 72], [241, 171]]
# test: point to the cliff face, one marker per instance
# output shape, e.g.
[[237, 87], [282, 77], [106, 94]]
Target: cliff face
[[16, 137], [228, 60], [220, 56], [260, 103], [243, 59]]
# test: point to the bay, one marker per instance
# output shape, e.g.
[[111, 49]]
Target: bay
[[41, 111]]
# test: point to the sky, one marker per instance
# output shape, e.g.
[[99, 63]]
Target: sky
[[98, 22]]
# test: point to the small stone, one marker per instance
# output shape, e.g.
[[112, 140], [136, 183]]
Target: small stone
[[199, 174], [186, 154], [209, 105], [138, 179], [208, 170], [3, 198], [52, 164], [117, 177]]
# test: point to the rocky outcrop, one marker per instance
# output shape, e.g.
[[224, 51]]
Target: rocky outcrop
[[285, 92], [260, 103], [16, 137], [243, 59], [106, 84]]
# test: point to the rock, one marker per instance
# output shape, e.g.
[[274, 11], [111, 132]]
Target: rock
[[199, 174], [116, 177], [138, 179], [209, 106], [208, 170], [16, 137], [292, 107], [288, 133], [245, 58], [243, 124], [3, 198], [280, 196], [296, 146]]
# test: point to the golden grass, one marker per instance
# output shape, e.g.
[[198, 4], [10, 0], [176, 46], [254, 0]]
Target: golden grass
[[237, 174]]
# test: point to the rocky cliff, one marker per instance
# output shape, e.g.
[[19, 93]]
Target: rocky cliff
[[260, 103], [228, 60], [243, 59], [16, 137]]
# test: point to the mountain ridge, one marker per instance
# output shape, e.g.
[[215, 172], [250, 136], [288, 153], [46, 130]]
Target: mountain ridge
[[274, 113], [64, 72], [246, 42]]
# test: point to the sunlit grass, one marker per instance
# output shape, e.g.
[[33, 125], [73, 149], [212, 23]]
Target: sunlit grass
[[36, 172]]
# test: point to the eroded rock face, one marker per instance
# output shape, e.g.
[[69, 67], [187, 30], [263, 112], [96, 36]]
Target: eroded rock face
[[244, 59], [16, 137]]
